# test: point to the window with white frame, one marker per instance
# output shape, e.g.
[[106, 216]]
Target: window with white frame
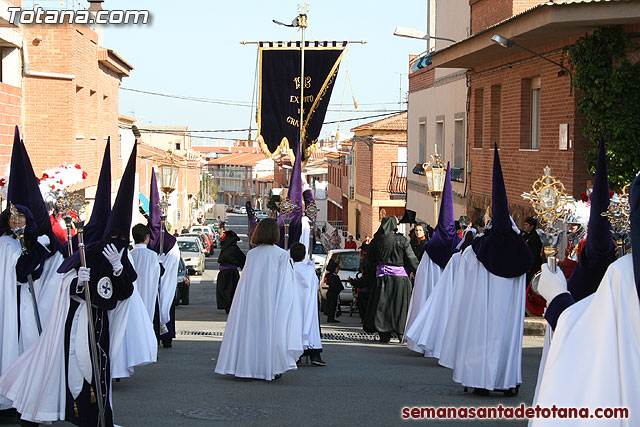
[[440, 137], [458, 141], [535, 113], [422, 139]]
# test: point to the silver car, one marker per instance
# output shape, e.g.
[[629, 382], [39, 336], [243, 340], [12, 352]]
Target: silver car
[[351, 266], [192, 253]]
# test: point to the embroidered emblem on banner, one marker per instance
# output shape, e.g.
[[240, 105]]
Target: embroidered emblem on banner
[[105, 288]]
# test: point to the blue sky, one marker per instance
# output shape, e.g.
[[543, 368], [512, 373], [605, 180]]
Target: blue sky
[[192, 48]]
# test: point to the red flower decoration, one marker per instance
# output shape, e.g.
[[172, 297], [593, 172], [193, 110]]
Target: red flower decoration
[[60, 182], [84, 174], [78, 166], [611, 193], [53, 187], [2, 182], [584, 197], [45, 176]]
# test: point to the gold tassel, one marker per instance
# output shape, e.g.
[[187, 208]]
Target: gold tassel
[[93, 396], [75, 409]]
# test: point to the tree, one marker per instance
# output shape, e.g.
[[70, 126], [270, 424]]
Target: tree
[[607, 85]]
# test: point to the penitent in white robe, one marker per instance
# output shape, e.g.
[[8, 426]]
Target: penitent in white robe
[[12, 344], [483, 337], [594, 357], [427, 331], [305, 234], [307, 282], [263, 336], [427, 276], [148, 269], [36, 382], [168, 283], [139, 345]]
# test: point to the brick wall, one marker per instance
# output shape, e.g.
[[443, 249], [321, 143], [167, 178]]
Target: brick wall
[[485, 13], [522, 167], [421, 79], [69, 120], [10, 116]]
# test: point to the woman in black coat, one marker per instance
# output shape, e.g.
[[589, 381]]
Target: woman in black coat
[[230, 259]]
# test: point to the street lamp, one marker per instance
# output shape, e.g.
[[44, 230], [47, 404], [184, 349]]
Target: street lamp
[[168, 177], [417, 34], [505, 42], [435, 173]]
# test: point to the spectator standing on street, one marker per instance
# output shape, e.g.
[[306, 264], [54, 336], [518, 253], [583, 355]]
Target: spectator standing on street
[[418, 240], [350, 243], [230, 259], [335, 287], [335, 241], [263, 336]]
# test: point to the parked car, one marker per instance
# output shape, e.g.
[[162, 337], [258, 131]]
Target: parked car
[[207, 230], [192, 253], [242, 210], [237, 209], [183, 284], [261, 216], [318, 255], [229, 208], [348, 271], [206, 245], [211, 222]]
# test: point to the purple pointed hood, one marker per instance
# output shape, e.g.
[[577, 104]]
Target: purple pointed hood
[[598, 251], [252, 220], [294, 193], [155, 222], [119, 222], [501, 250], [94, 229], [442, 244], [23, 190]]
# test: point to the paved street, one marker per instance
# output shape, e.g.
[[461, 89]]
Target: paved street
[[363, 384]]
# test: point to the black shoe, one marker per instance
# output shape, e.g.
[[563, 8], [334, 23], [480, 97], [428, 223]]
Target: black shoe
[[167, 343], [385, 337], [481, 392], [299, 362], [317, 360], [332, 321], [512, 392], [277, 376]]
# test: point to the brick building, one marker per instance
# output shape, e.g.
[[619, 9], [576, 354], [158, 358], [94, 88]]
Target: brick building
[[521, 102], [10, 80], [437, 112]]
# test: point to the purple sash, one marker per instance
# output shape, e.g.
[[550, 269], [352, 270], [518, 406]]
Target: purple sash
[[390, 270], [227, 267]]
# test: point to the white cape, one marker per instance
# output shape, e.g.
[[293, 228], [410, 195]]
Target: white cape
[[594, 357], [427, 276], [140, 345], [427, 330], [12, 345], [305, 234], [263, 336], [483, 337], [307, 283], [36, 382], [148, 268], [168, 283]]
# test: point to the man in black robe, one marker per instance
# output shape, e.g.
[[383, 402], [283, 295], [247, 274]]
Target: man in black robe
[[333, 293], [230, 259], [390, 294], [530, 236]]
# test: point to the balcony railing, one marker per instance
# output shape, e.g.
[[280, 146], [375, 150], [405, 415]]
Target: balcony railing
[[398, 179]]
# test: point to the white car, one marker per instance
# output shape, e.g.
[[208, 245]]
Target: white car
[[351, 266], [192, 253], [201, 229]]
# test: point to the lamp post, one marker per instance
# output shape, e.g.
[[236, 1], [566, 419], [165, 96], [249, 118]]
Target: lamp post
[[417, 34], [435, 172], [505, 42], [168, 177]]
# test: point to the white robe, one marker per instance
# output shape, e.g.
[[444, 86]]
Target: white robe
[[168, 283], [12, 345], [146, 264], [263, 336], [483, 337], [307, 282], [427, 331], [305, 234], [427, 276], [140, 345], [36, 382], [594, 357]]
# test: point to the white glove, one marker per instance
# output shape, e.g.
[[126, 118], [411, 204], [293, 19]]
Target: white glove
[[84, 274], [113, 256], [44, 240], [551, 284]]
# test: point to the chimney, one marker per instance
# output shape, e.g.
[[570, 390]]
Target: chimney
[[95, 5]]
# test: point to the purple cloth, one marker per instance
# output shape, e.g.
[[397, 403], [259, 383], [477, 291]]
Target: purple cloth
[[294, 193], [443, 244], [228, 267], [155, 222], [390, 270]]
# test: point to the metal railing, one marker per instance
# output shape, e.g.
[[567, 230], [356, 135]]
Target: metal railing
[[398, 180]]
